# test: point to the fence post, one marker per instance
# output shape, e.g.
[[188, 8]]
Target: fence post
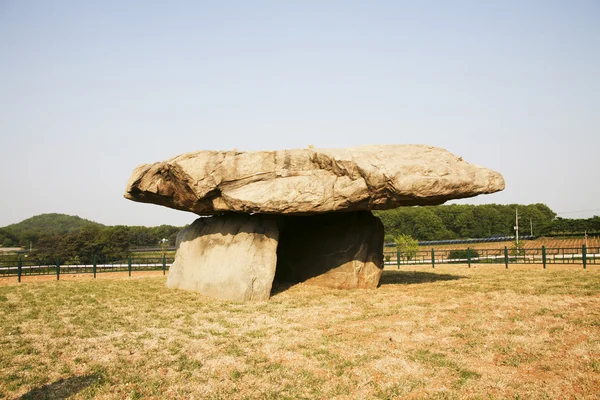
[[544, 256], [57, 269], [584, 255], [94, 266], [19, 269], [398, 258], [164, 260], [469, 256], [129, 265], [506, 256], [432, 258]]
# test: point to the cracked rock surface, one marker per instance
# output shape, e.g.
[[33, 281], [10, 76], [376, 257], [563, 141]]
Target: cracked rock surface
[[310, 181]]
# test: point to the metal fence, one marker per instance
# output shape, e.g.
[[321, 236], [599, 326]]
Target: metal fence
[[583, 256], [20, 266]]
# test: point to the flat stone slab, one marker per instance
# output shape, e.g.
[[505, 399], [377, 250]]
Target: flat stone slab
[[310, 181]]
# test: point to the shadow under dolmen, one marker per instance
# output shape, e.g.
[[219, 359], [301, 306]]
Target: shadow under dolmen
[[415, 277]]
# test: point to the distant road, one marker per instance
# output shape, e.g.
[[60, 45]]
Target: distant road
[[10, 249]]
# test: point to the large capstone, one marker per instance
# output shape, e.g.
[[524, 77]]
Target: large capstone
[[310, 181]]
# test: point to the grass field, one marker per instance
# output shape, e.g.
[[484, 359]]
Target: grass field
[[449, 333]]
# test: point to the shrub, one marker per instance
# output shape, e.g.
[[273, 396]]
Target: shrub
[[407, 245], [462, 254], [517, 250]]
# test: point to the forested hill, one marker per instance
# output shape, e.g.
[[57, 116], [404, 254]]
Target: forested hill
[[51, 224], [469, 221], [53, 230], [31, 229]]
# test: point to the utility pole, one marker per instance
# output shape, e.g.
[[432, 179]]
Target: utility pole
[[517, 225], [531, 225], [163, 243]]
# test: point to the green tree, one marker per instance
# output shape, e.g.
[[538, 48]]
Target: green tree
[[7, 239], [517, 249], [47, 249], [469, 221], [407, 246], [465, 224], [428, 226], [115, 241]]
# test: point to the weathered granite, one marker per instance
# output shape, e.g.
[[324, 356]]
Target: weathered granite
[[310, 181], [229, 257]]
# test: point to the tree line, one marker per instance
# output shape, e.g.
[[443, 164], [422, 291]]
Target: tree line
[[572, 226], [104, 243], [482, 221], [71, 238]]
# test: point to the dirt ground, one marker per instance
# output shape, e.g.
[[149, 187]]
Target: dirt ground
[[79, 277]]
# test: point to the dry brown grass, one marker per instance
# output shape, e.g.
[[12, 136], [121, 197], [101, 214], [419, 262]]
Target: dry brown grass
[[453, 332]]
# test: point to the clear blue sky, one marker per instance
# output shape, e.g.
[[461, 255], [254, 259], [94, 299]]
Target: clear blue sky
[[91, 89]]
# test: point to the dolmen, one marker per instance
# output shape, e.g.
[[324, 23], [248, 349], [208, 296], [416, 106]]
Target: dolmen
[[301, 215]]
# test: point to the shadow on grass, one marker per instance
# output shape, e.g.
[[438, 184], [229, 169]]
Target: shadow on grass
[[279, 287], [388, 278], [414, 277], [62, 388]]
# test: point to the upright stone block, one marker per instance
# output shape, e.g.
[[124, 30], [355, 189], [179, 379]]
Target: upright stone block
[[230, 257]]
